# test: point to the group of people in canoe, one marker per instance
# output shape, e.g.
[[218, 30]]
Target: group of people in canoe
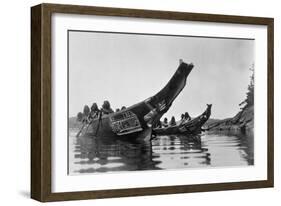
[[184, 118], [143, 119], [94, 112]]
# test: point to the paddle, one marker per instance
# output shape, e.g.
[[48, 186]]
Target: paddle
[[98, 124], [100, 116], [78, 134], [89, 123]]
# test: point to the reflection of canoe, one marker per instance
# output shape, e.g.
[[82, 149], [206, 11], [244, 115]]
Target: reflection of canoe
[[188, 127], [93, 155], [136, 121]]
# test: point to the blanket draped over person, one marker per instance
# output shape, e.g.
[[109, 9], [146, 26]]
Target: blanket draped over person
[[173, 121], [106, 109], [165, 122], [94, 111], [187, 116]]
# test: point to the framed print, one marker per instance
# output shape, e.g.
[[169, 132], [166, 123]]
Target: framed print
[[130, 102]]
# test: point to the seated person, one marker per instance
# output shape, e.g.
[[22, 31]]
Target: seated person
[[173, 121], [158, 124], [106, 109], [182, 117], [186, 116], [165, 123], [79, 117], [86, 113], [94, 111]]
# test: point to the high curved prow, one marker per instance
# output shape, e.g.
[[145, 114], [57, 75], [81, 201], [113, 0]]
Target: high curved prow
[[168, 94], [208, 111], [204, 116]]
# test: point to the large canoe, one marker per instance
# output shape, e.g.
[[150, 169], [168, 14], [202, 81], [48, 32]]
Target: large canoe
[[136, 122], [191, 127]]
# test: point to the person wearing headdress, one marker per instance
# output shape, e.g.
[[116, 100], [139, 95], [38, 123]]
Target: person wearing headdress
[[182, 119], [86, 112], [187, 117], [94, 111], [173, 121], [79, 116], [106, 109], [165, 122]]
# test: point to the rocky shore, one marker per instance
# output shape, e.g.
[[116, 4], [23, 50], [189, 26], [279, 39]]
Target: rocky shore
[[242, 121]]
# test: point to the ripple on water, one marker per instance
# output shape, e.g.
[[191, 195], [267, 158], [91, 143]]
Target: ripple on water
[[88, 155]]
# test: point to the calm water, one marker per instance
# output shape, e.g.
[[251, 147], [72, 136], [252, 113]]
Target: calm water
[[87, 155]]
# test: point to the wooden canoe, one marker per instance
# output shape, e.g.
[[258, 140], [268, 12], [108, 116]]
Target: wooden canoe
[[135, 122], [191, 127]]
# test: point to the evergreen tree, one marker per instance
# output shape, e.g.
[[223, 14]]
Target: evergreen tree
[[249, 101]]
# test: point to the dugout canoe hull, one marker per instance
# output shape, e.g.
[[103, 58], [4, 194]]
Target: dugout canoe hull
[[136, 121], [191, 127]]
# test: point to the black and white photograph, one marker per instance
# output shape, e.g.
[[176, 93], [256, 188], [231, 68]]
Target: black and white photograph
[[141, 101]]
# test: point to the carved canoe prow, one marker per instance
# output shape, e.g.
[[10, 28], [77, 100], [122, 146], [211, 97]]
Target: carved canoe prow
[[136, 121]]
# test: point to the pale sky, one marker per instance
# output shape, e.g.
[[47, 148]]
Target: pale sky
[[128, 68]]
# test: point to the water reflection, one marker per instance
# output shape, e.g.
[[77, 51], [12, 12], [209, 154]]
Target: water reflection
[[180, 151], [90, 155]]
